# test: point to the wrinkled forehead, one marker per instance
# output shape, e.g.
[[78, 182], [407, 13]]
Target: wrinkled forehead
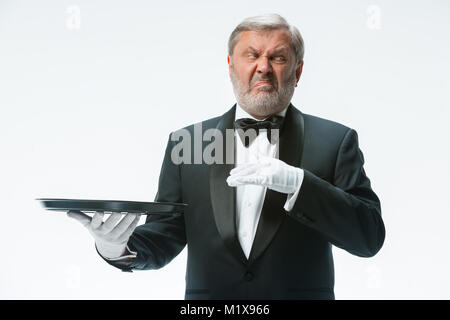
[[265, 40]]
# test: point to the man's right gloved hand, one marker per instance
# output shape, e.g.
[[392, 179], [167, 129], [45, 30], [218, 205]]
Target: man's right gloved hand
[[111, 236]]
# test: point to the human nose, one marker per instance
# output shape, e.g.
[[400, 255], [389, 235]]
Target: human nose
[[264, 65]]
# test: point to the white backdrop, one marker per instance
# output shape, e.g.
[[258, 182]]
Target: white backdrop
[[84, 86]]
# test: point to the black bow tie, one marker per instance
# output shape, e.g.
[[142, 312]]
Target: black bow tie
[[273, 122]]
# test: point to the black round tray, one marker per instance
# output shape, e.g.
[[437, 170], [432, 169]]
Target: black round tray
[[112, 206]]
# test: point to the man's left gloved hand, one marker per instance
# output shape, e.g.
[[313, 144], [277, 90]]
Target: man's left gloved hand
[[269, 172]]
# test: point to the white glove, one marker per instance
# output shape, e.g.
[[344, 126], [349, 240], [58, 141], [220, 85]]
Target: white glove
[[111, 236], [269, 172]]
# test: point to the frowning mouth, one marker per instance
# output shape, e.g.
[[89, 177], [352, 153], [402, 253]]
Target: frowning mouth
[[262, 83]]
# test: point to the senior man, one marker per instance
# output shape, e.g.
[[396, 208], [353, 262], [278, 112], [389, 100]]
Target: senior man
[[262, 227]]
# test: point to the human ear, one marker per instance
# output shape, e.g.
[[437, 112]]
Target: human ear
[[298, 71], [230, 64]]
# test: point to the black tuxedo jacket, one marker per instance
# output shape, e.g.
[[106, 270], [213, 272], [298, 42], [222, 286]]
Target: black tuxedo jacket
[[291, 257]]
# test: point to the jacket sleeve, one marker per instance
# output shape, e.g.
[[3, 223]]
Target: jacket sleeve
[[347, 212], [162, 237]]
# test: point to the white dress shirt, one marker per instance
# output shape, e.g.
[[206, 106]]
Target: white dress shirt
[[250, 198]]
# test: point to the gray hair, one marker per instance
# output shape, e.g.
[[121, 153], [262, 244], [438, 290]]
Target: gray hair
[[269, 21]]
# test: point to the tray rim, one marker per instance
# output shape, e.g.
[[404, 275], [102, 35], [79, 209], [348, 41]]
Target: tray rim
[[125, 201], [79, 205]]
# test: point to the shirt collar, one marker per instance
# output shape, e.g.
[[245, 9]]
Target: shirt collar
[[241, 113]]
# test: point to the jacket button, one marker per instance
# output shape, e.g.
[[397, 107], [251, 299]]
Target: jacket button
[[248, 276]]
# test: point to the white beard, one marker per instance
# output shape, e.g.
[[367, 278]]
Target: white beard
[[267, 101]]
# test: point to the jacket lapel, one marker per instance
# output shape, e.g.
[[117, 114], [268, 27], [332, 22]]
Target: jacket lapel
[[272, 214], [223, 197]]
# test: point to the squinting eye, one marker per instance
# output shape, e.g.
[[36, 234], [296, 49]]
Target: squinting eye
[[280, 59], [251, 55]]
